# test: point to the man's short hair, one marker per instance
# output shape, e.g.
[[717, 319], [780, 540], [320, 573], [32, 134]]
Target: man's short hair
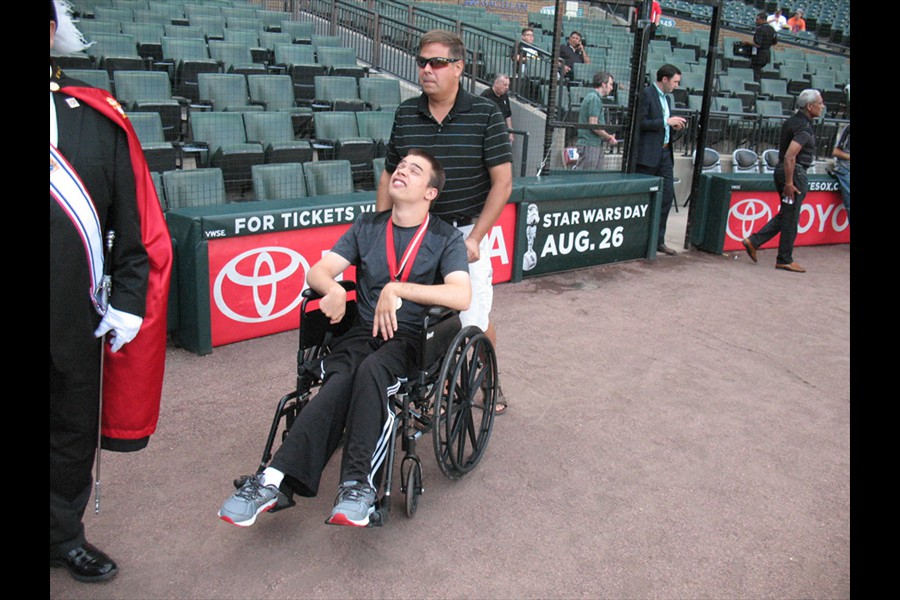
[[600, 78], [807, 96], [526, 30], [438, 177], [446, 38], [667, 71], [761, 15], [578, 33], [500, 76]]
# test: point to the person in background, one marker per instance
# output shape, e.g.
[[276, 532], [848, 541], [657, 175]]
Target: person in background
[[797, 22], [572, 51], [763, 39], [841, 154], [656, 129], [499, 93], [591, 140], [777, 20]]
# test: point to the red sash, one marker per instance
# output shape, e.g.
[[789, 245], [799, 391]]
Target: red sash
[[133, 376]]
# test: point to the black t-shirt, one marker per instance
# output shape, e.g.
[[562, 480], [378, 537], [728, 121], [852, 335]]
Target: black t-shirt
[[442, 252], [798, 128]]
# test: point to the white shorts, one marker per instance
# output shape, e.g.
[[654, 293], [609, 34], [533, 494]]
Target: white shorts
[[481, 274]]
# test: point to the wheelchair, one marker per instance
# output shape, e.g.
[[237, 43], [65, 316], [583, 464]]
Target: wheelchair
[[452, 396]]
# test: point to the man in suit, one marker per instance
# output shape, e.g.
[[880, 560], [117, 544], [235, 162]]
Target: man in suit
[[99, 184], [655, 132]]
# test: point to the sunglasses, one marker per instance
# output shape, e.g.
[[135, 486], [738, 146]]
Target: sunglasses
[[436, 62]]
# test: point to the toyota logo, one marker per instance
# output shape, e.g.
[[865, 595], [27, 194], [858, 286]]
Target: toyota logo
[[748, 213], [256, 271]]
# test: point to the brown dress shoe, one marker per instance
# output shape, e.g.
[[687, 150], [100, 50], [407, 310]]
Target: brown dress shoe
[[792, 267], [751, 251]]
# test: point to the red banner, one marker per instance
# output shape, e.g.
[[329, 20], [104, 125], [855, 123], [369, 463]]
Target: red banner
[[823, 219], [255, 281]]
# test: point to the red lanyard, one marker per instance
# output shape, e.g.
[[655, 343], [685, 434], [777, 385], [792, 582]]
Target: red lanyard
[[409, 257]]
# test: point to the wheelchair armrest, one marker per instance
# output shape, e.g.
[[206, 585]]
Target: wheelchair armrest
[[311, 294], [438, 312]]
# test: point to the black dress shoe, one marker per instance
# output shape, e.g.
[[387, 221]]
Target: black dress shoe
[[666, 250], [87, 563]]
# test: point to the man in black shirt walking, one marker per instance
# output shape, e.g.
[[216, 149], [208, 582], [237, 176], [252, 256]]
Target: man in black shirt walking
[[796, 151]]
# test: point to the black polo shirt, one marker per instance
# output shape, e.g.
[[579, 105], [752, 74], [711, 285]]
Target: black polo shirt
[[570, 55], [798, 128], [472, 139], [501, 101]]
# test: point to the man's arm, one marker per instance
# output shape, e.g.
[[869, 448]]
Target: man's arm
[[512, 137], [455, 293], [790, 162], [321, 278], [607, 137], [501, 189]]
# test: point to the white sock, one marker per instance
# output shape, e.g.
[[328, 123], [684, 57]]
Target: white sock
[[271, 476]]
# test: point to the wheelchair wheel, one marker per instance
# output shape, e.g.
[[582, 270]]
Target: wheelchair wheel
[[412, 485], [464, 412]]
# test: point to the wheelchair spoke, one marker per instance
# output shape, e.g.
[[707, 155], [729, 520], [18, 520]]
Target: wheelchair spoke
[[462, 433]]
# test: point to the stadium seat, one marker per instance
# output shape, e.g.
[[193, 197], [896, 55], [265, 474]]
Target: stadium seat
[[324, 177], [225, 92], [161, 155], [380, 93], [151, 91], [224, 135], [337, 93], [275, 132], [194, 187], [283, 181], [745, 160]]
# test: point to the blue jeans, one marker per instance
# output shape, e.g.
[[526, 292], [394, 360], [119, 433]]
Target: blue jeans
[[843, 177]]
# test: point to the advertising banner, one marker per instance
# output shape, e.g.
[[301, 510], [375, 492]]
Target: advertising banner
[[580, 232], [256, 278], [823, 219]]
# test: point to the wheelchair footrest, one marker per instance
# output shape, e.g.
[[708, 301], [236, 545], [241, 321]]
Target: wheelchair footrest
[[378, 518], [283, 504]]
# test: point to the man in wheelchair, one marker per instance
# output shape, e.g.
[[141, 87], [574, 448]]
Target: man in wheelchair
[[405, 261]]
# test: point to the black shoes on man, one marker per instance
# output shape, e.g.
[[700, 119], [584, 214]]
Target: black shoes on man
[[748, 246], [87, 563]]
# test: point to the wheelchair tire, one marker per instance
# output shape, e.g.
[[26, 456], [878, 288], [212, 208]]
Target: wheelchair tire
[[464, 412], [412, 485]]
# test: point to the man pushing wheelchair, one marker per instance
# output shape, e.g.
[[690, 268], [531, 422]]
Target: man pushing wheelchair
[[405, 261]]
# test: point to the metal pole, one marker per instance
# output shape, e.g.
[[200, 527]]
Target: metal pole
[[104, 292], [554, 77], [712, 56]]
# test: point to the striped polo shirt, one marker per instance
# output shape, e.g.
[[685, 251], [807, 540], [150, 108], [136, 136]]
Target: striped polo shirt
[[472, 138]]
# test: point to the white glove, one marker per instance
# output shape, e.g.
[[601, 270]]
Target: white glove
[[124, 327]]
